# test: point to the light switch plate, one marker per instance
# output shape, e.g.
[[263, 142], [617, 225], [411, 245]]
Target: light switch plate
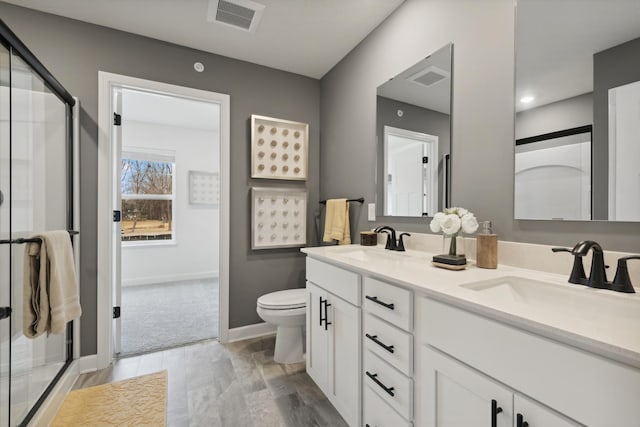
[[371, 213]]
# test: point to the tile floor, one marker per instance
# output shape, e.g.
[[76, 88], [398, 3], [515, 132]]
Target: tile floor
[[235, 384]]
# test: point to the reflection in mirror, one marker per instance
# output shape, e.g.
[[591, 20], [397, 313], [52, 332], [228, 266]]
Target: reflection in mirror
[[413, 128], [577, 68]]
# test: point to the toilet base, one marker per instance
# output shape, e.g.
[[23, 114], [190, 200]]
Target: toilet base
[[289, 341]]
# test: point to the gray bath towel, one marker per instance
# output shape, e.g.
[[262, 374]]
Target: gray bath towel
[[51, 296]]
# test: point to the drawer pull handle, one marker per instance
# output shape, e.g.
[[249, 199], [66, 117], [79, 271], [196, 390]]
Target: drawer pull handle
[[375, 379], [377, 301], [495, 410], [324, 303], [520, 422], [374, 338]]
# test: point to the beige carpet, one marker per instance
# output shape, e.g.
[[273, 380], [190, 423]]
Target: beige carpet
[[139, 401]]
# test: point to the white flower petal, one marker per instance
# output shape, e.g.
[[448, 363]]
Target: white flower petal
[[450, 224], [469, 223]]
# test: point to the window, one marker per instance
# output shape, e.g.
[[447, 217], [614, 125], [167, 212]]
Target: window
[[147, 197]]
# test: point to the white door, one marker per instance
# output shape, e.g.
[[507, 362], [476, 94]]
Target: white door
[[344, 357], [317, 337], [116, 97], [532, 414], [455, 395], [411, 172]]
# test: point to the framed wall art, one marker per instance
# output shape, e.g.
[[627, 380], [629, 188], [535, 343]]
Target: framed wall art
[[278, 148], [204, 188], [278, 218]]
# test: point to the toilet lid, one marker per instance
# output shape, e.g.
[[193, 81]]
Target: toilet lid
[[283, 300]]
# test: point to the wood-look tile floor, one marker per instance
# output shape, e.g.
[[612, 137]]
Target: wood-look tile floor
[[235, 384]]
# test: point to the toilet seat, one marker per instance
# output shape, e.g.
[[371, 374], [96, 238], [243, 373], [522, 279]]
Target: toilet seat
[[283, 300]]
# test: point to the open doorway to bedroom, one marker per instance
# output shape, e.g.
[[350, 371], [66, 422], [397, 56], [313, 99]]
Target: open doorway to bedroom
[[167, 182]]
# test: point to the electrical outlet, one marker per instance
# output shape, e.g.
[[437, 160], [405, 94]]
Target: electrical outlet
[[371, 213]]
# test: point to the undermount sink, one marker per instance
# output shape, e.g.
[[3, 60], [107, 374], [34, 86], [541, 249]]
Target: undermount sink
[[576, 302]]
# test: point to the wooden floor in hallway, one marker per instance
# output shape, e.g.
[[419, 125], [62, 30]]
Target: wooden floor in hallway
[[237, 384]]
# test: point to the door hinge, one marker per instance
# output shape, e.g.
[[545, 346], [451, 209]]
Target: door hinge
[[116, 312], [117, 119], [5, 312], [117, 216], [425, 159]]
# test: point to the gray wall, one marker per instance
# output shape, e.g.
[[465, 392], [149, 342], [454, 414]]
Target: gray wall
[[566, 114], [483, 118], [415, 119], [74, 52], [611, 68]]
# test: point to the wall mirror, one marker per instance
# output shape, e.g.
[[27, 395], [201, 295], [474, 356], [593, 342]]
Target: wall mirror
[[577, 125], [413, 129]]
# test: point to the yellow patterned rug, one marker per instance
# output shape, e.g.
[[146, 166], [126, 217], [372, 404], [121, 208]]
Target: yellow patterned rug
[[140, 401]]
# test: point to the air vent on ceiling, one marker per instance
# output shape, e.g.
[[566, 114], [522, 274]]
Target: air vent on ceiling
[[242, 14], [429, 76]]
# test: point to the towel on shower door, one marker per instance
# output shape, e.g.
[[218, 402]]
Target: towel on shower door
[[336, 222], [51, 296]]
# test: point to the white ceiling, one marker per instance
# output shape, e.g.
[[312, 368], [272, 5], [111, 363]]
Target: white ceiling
[[436, 97], [556, 40], [306, 37]]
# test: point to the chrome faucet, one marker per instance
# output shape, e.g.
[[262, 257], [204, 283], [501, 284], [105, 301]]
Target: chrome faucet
[[597, 276]]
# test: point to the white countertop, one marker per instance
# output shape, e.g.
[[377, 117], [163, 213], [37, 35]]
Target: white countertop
[[614, 336]]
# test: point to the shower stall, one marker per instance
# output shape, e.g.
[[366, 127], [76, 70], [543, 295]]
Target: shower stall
[[36, 189]]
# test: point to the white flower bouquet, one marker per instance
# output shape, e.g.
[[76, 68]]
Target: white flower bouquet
[[451, 222]]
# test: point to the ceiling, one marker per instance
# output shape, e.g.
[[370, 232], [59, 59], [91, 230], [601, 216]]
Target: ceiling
[[306, 37], [556, 40]]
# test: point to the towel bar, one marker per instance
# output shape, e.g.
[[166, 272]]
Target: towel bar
[[360, 200], [31, 240]]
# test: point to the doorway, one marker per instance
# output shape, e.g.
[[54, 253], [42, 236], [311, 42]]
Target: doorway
[[410, 172], [168, 193]]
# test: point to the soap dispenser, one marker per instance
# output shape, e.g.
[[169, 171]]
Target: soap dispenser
[[486, 247]]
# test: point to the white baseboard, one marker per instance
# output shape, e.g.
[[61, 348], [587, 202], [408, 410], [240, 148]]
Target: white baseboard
[[251, 331], [52, 404], [152, 280], [88, 363]]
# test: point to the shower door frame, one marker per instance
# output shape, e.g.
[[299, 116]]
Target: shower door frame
[[16, 47]]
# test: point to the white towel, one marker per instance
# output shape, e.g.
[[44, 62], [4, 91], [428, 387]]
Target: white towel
[[336, 222], [51, 295]]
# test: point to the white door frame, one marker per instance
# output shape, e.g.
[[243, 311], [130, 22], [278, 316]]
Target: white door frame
[[431, 142], [105, 204]]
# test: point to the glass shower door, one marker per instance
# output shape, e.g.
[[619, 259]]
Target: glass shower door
[[5, 257], [38, 203]]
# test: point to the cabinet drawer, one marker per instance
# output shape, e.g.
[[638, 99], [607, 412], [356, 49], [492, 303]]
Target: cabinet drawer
[[393, 345], [338, 281], [378, 414], [583, 386], [389, 302], [379, 375]]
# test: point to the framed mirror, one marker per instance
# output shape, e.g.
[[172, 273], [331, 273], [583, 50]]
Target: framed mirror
[[413, 129], [577, 125]]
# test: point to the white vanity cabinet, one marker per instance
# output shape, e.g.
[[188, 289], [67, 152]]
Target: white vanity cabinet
[[388, 356], [333, 336], [468, 360], [456, 395]]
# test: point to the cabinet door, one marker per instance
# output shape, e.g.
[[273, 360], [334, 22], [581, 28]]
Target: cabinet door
[[532, 414], [456, 395], [317, 337], [344, 350]]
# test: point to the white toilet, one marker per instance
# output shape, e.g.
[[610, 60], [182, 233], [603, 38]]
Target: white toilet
[[287, 311]]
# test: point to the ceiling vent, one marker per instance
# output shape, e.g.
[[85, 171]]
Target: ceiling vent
[[429, 76], [242, 14]]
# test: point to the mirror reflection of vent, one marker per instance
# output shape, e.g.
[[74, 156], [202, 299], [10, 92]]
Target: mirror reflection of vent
[[429, 76], [241, 14]]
